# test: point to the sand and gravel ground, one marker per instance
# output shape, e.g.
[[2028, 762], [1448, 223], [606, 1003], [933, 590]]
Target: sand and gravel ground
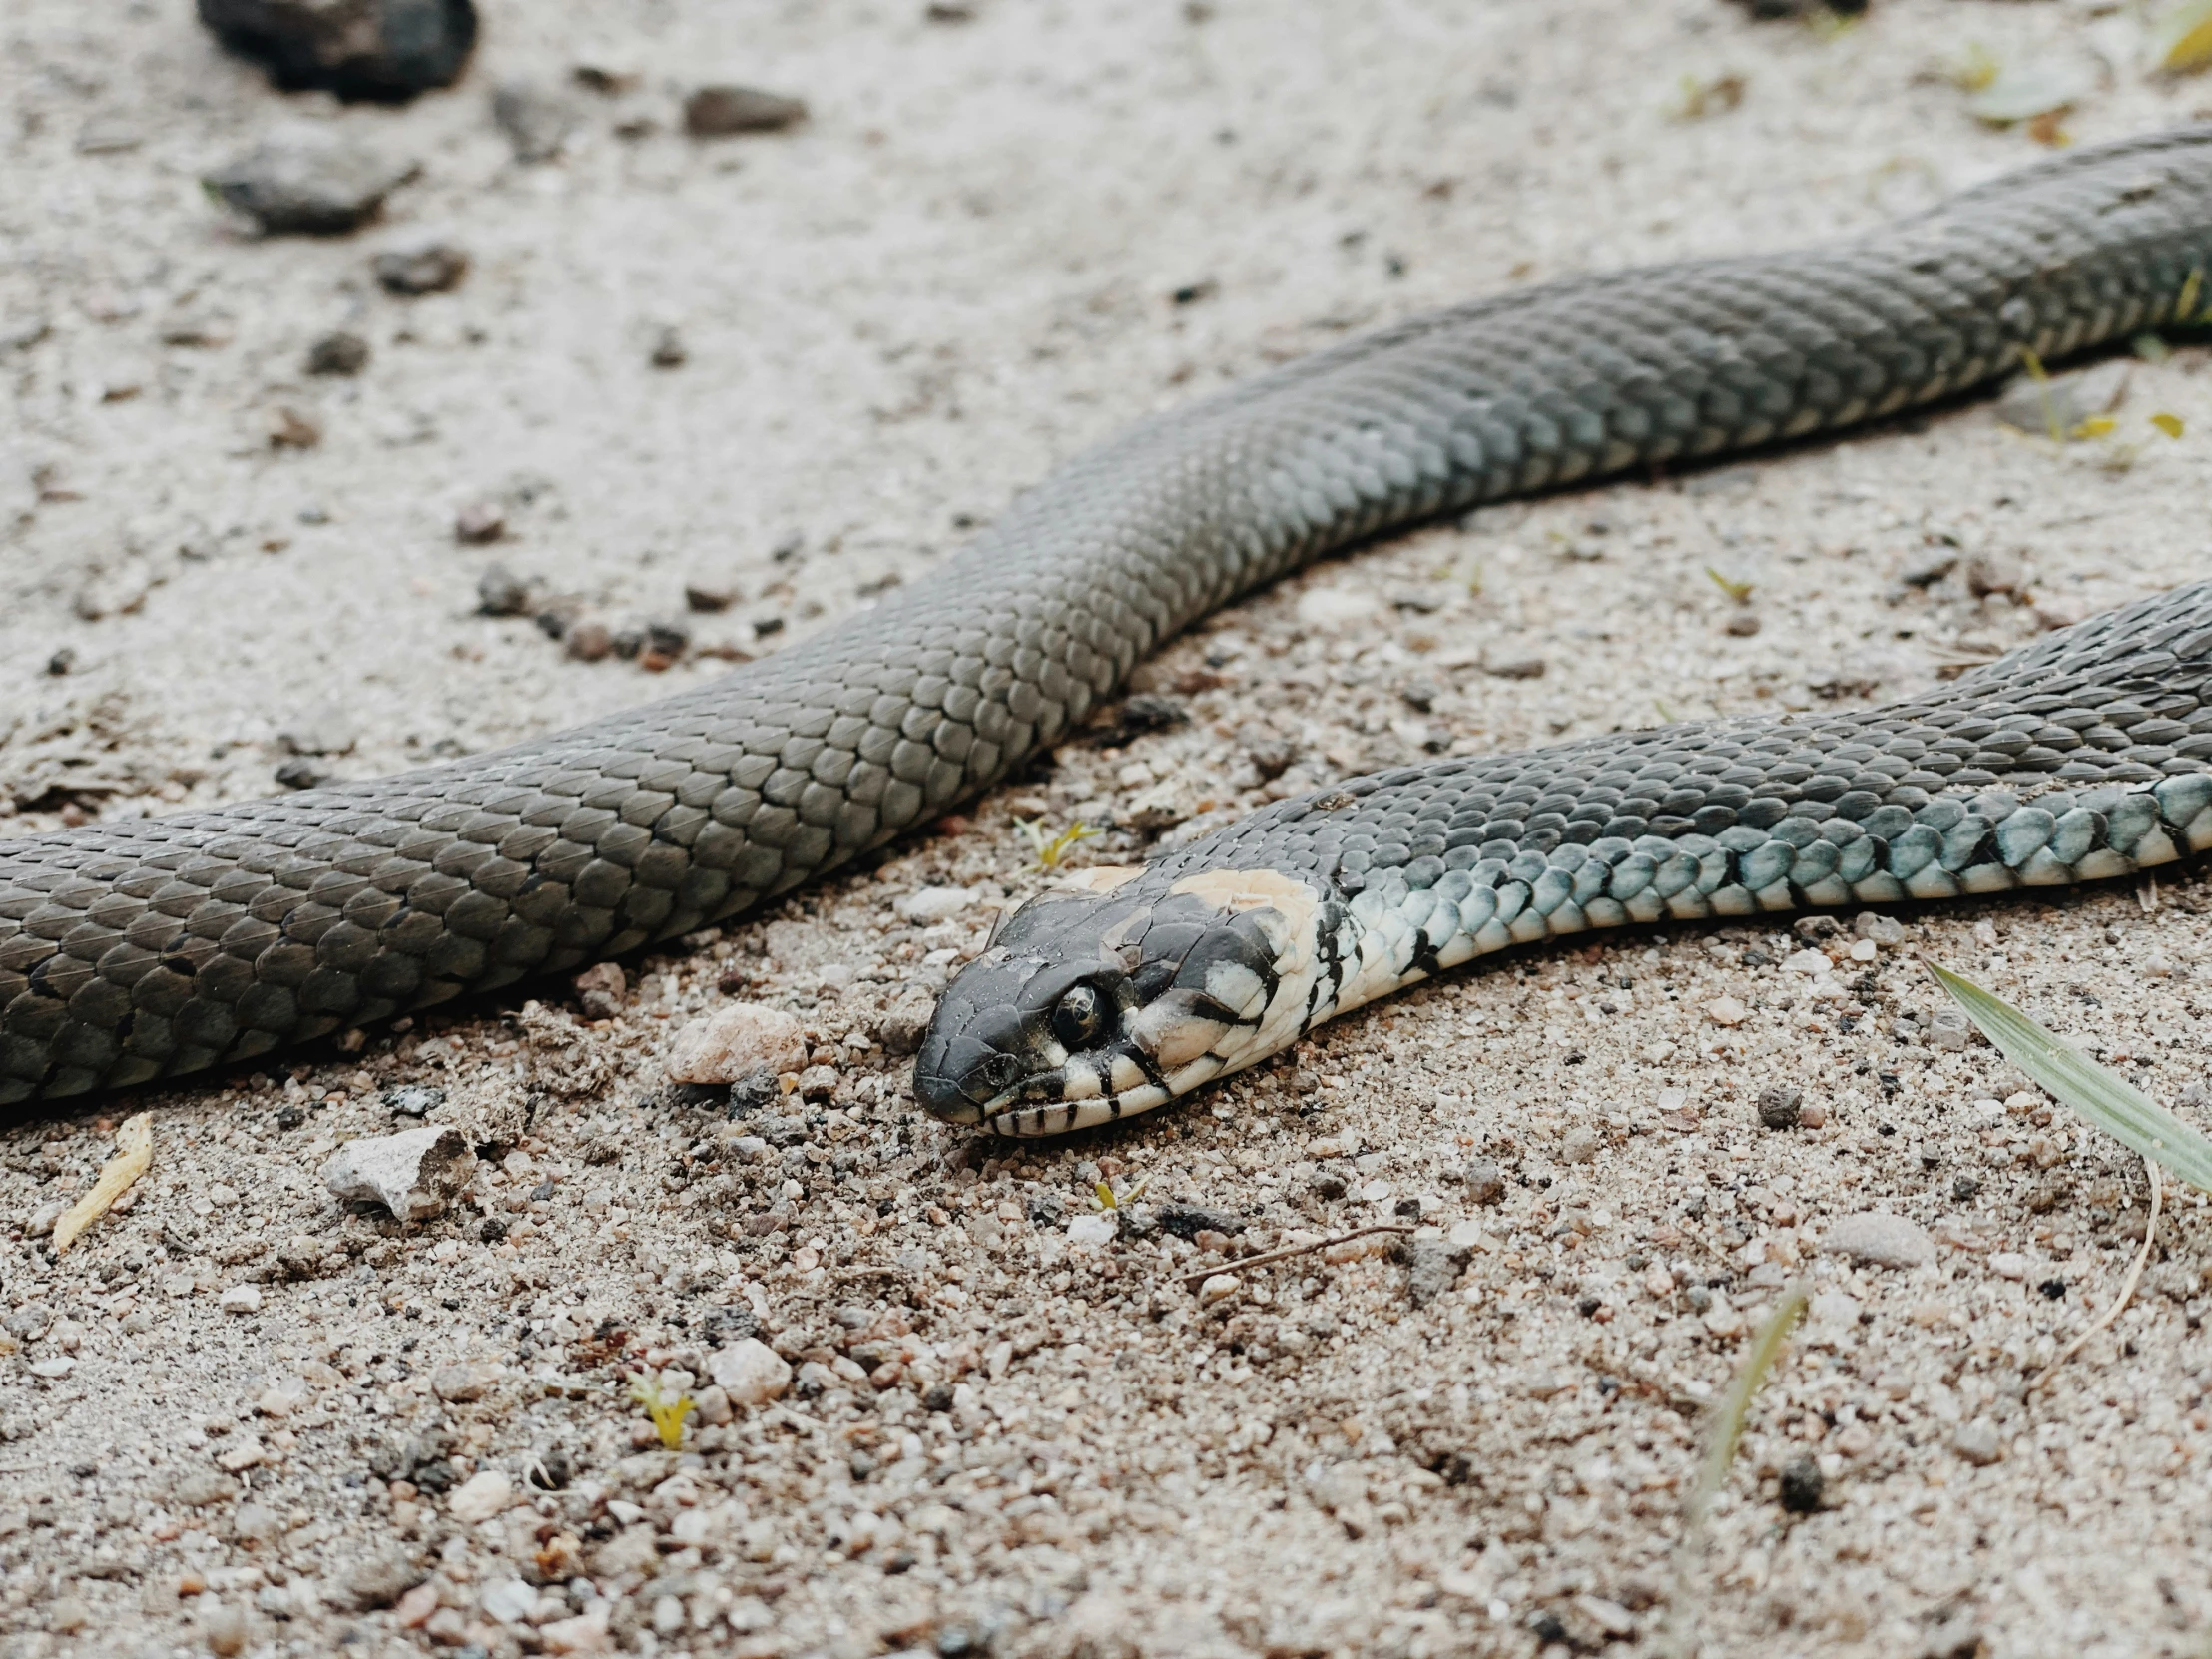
[[240, 1417]]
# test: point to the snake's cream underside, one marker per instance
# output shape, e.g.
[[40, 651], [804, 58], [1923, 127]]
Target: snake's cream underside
[[141, 949]]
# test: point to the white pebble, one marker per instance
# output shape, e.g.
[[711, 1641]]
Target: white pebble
[[733, 1041], [1092, 1230], [928, 906], [2008, 1263], [1879, 1237], [1219, 1287], [750, 1371], [241, 1299], [482, 1497]]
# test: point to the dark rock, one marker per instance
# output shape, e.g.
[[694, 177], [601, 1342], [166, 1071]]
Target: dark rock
[[757, 1088], [1270, 753], [422, 265], [412, 1100], [718, 111], [338, 354], [668, 348], [1780, 1106], [668, 639], [937, 1398], [302, 772], [385, 50], [600, 989], [537, 120], [62, 661], [1516, 668], [1187, 1221], [500, 592], [1048, 1209], [549, 1470], [307, 180], [1803, 1486], [711, 594]]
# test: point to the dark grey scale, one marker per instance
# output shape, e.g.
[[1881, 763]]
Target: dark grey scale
[[659, 819]]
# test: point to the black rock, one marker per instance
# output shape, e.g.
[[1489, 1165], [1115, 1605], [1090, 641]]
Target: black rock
[[757, 1088], [302, 772], [1803, 1486], [1047, 1208], [384, 50]]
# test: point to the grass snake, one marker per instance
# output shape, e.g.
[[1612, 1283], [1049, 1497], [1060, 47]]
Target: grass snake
[[139, 950]]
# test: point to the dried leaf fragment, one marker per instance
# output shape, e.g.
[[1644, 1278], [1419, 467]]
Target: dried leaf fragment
[[134, 1151], [2186, 38]]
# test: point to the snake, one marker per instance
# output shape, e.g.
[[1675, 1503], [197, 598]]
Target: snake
[[133, 950]]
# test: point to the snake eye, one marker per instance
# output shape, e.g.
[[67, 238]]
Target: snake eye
[[1077, 1017]]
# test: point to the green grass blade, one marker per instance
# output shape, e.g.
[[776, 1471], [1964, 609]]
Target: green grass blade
[[2118, 1108], [1735, 1407]]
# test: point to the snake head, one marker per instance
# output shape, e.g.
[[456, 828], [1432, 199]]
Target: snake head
[[1106, 998]]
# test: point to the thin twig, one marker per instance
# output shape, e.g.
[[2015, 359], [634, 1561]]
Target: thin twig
[[2127, 1285], [1288, 1251]]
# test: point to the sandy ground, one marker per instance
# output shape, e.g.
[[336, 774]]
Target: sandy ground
[[241, 1417]]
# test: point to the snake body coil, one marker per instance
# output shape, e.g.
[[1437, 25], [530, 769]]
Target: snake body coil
[[141, 949]]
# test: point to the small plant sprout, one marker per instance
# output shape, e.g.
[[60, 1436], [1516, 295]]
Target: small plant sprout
[[1052, 851], [1105, 1200], [667, 1410], [1733, 587]]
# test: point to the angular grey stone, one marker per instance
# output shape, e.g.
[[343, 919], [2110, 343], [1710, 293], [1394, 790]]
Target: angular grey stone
[[413, 1175], [308, 180]]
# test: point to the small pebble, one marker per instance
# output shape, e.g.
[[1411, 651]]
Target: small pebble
[[500, 592], [1095, 1229], [1726, 1011], [718, 111], [1781, 1106], [709, 595], [750, 1371], [1581, 1145], [928, 906], [1885, 931], [226, 1629], [480, 522], [1516, 668], [1977, 1443], [1743, 624], [338, 353], [1803, 1485], [600, 989], [589, 642], [536, 119], [2008, 1263], [465, 1381], [414, 1175], [668, 348], [734, 1040], [482, 1497], [1879, 1238], [1219, 1287], [306, 179], [1486, 1182], [423, 263], [241, 1299]]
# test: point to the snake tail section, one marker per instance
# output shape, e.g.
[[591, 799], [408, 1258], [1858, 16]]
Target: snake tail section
[[134, 950], [2083, 756]]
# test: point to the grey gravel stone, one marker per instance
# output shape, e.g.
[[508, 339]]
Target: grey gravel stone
[[414, 1175], [1434, 1267], [536, 119], [387, 50], [412, 1100], [1879, 1238], [1486, 1182], [424, 264], [500, 592], [1803, 1486], [718, 111], [2063, 402], [1781, 1106], [1187, 1221], [338, 354], [905, 1021], [308, 180]]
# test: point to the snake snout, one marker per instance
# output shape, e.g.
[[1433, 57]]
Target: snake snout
[[955, 1077]]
